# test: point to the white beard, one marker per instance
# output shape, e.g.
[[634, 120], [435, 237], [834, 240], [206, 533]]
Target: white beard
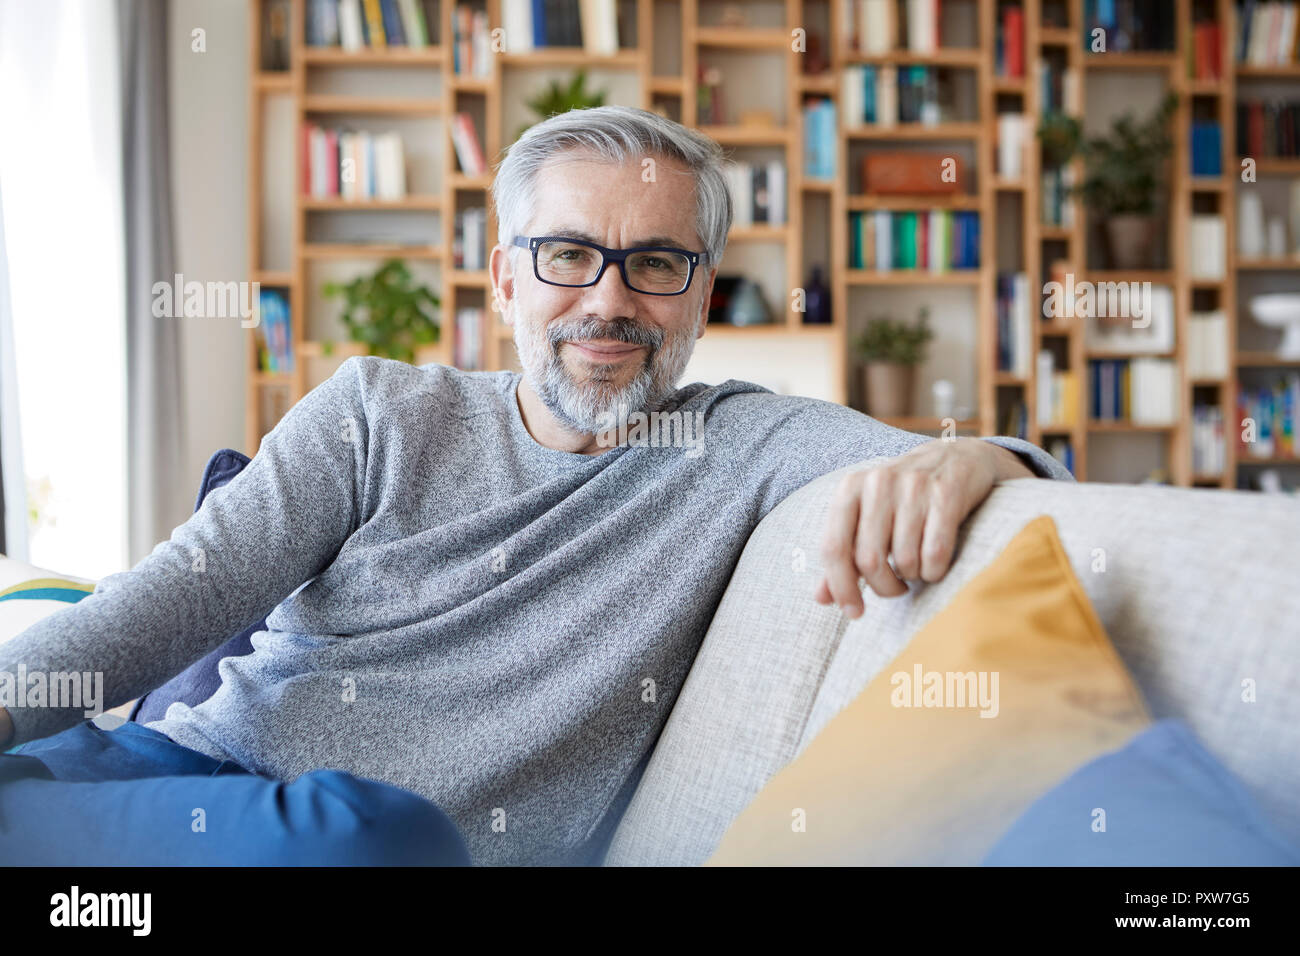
[[598, 405]]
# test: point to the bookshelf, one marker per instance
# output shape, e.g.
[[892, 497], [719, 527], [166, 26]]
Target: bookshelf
[[662, 46]]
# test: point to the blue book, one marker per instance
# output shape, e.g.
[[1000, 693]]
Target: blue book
[[539, 24], [392, 18]]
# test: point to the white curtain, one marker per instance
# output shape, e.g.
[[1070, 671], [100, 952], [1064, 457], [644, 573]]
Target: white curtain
[[61, 183]]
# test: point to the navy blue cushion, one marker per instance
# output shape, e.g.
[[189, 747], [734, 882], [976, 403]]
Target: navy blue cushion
[[1167, 802], [200, 680]]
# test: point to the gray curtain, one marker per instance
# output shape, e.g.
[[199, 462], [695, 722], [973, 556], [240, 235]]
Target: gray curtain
[[154, 455]]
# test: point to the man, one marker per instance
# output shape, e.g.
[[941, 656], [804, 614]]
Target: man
[[483, 604]]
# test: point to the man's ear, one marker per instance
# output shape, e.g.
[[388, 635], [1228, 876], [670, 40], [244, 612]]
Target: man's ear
[[702, 320], [502, 273]]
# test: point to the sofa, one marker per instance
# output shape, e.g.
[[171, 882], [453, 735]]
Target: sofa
[[1196, 589]]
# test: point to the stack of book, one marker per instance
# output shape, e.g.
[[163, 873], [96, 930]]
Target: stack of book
[[1015, 420], [1130, 25], [1057, 204], [1057, 394], [470, 54], [1141, 391], [1273, 410], [469, 338], [758, 192], [1015, 337], [1268, 129], [1062, 451], [358, 24], [1207, 440], [1204, 61], [819, 142], [469, 151], [1267, 32], [352, 165], [1009, 52], [935, 240], [534, 24], [888, 95], [274, 334], [469, 245], [1059, 89], [874, 26]]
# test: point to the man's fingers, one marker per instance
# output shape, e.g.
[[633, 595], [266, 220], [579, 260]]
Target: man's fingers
[[837, 546], [912, 502], [940, 539], [875, 530]]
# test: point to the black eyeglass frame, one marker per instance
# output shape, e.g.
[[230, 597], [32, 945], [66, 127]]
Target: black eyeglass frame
[[532, 243]]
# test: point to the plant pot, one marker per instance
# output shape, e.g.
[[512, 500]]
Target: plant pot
[[887, 387], [1132, 240]]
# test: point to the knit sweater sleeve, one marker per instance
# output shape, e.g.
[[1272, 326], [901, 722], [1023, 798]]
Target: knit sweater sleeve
[[276, 525]]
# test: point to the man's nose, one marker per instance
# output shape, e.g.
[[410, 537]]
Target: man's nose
[[610, 297]]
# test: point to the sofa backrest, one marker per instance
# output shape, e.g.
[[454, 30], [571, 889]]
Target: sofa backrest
[[1200, 592]]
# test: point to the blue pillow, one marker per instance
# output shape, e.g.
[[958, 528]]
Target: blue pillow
[[1167, 802], [200, 680]]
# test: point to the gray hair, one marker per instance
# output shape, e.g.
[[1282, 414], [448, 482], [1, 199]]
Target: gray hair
[[617, 134]]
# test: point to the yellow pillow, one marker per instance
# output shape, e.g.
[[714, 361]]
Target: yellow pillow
[[1003, 694]]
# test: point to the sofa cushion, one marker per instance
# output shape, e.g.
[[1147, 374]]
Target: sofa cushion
[[1195, 588], [1001, 695], [1162, 800]]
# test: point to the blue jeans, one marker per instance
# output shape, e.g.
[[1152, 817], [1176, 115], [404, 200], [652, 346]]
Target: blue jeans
[[135, 797]]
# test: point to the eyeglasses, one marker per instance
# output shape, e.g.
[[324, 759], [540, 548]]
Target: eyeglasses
[[560, 260]]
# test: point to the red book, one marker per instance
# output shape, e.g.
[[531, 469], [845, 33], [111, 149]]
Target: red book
[[304, 159], [1013, 41]]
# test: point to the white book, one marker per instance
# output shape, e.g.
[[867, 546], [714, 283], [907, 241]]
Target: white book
[[1208, 247], [847, 24], [876, 28], [740, 181], [517, 21], [351, 36], [1043, 387], [1021, 325], [776, 190], [599, 27], [851, 105], [480, 56], [884, 240], [1011, 145]]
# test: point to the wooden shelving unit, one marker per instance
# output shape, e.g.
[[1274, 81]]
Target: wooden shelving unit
[[691, 38]]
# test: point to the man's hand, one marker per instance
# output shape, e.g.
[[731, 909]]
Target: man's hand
[[909, 508]]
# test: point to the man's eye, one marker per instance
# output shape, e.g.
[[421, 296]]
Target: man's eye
[[654, 262]]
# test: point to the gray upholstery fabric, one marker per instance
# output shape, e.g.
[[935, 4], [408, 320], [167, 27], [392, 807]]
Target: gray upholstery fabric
[[1199, 593]]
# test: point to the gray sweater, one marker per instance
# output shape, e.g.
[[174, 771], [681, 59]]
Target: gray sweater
[[454, 608]]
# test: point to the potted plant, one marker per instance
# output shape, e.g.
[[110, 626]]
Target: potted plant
[[387, 314], [890, 351], [1122, 175], [556, 99]]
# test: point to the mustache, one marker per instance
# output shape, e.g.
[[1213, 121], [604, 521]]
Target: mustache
[[619, 329]]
